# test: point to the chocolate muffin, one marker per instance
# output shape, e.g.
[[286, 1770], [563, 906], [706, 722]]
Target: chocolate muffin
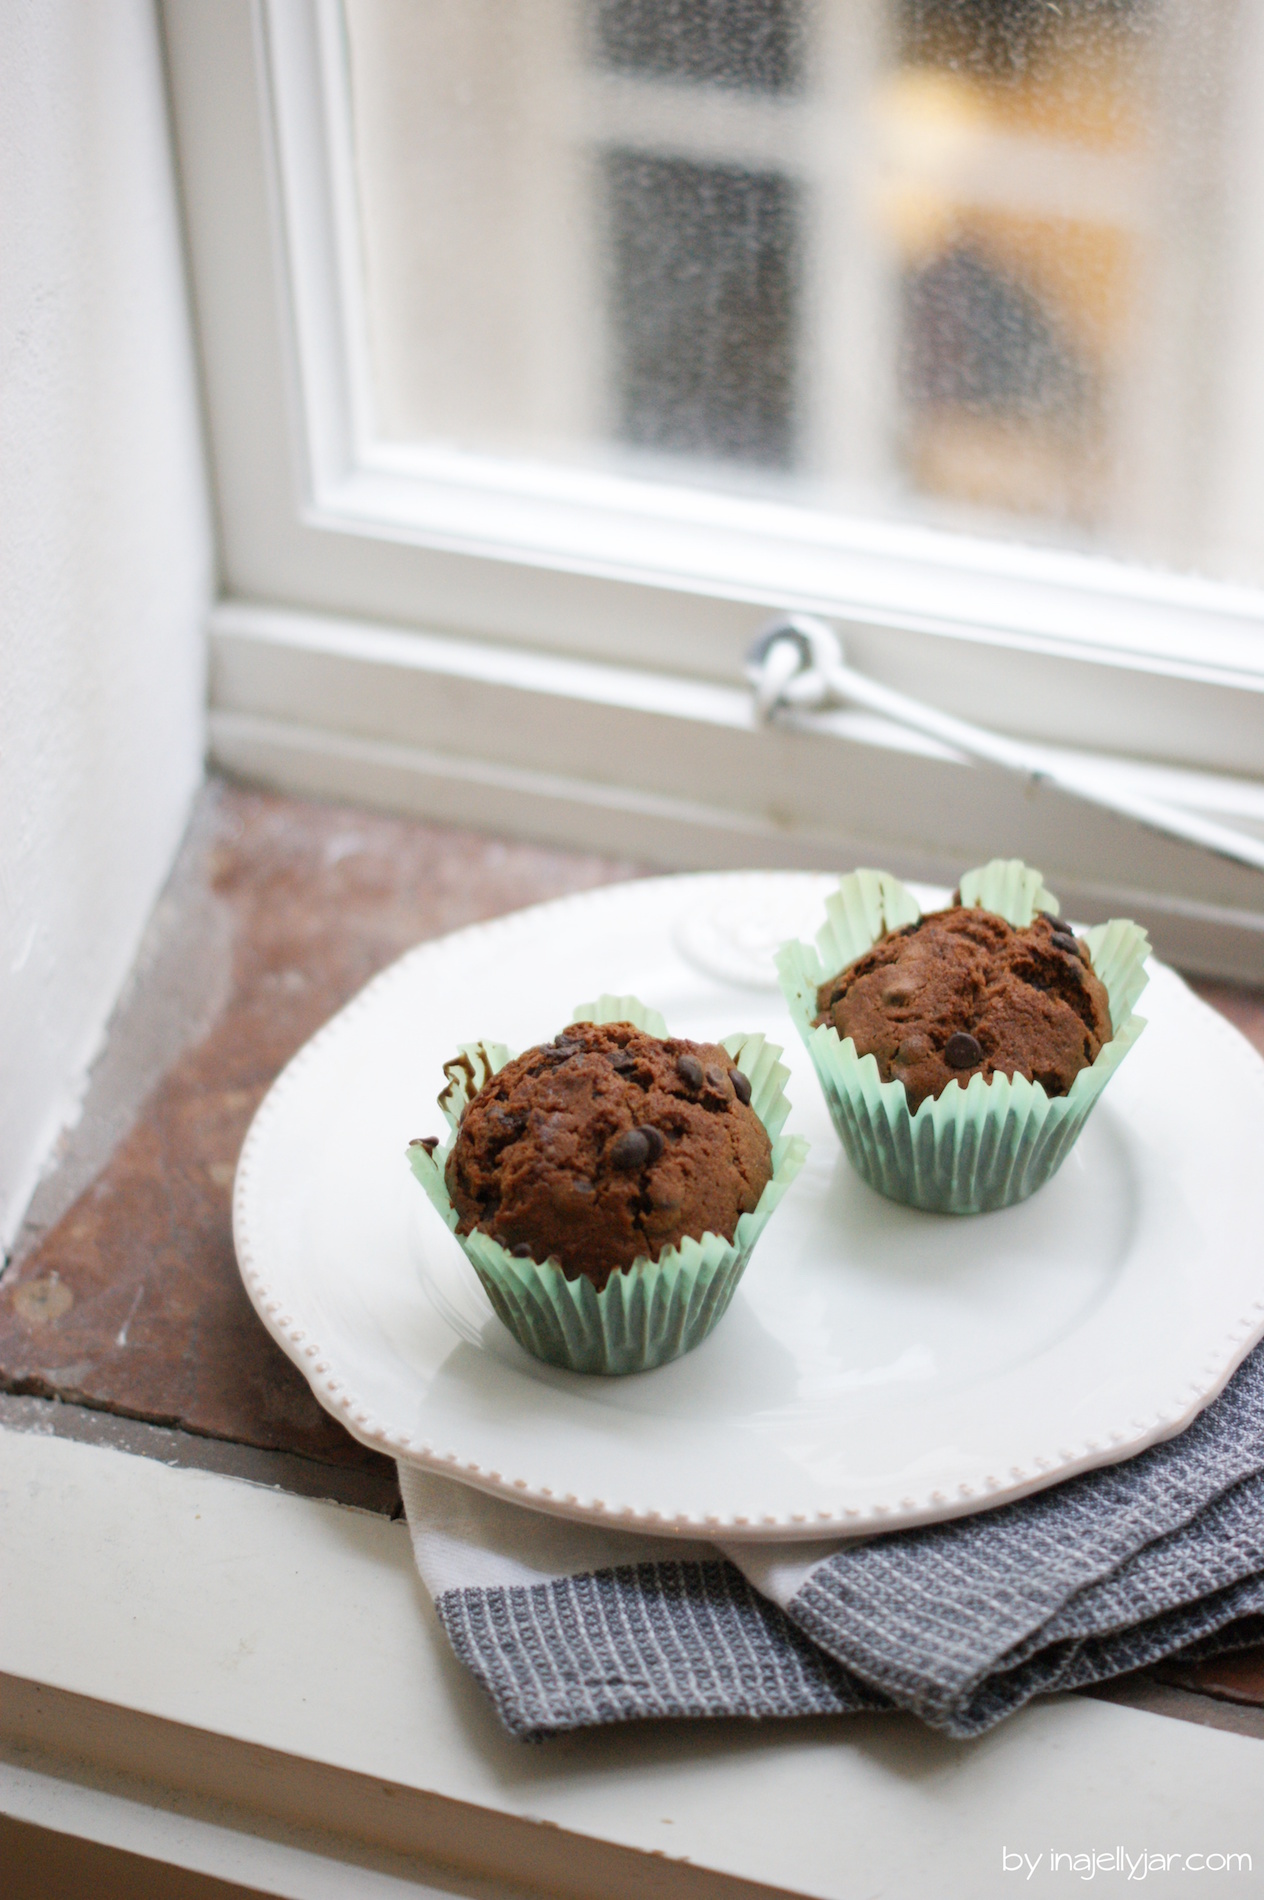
[[608, 1145], [964, 993]]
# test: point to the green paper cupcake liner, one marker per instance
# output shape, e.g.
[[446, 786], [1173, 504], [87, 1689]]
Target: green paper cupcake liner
[[979, 1145], [654, 1310]]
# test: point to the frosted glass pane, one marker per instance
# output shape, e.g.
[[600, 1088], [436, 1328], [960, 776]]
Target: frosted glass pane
[[702, 306], [991, 264], [755, 44]]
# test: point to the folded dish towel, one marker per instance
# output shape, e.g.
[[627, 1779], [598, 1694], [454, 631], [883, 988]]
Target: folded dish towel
[[567, 1625]]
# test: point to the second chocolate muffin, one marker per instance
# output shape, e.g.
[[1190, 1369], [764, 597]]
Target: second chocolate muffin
[[606, 1146], [962, 993]]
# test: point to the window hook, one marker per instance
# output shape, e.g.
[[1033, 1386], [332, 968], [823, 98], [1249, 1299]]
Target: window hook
[[797, 664]]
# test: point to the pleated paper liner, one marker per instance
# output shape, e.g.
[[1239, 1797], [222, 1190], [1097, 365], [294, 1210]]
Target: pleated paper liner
[[654, 1310], [979, 1145]]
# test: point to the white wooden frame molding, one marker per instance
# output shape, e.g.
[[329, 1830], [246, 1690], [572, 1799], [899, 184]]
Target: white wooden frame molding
[[252, 1685], [673, 771]]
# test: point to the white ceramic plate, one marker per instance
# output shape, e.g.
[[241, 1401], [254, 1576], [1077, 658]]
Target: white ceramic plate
[[878, 1367]]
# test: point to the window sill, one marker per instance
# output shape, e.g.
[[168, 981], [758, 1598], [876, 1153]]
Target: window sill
[[678, 772], [265, 1696], [244, 1678]]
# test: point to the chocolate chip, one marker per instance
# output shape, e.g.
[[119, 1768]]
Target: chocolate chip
[[428, 1142], [521, 1252], [962, 1051], [741, 1085], [635, 1148], [631, 1149], [689, 1069], [1064, 940], [716, 1081], [623, 1062]]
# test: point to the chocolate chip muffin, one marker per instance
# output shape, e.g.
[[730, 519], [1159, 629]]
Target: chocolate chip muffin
[[964, 993], [608, 1145]]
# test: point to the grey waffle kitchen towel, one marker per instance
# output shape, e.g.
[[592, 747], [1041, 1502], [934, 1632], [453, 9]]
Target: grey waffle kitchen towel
[[566, 1625]]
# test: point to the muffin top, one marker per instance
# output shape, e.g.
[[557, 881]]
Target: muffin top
[[964, 993], [607, 1145]]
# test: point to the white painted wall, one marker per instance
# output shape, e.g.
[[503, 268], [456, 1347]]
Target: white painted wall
[[105, 547]]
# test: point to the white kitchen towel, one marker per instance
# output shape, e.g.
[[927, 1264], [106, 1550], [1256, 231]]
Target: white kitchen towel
[[567, 1625]]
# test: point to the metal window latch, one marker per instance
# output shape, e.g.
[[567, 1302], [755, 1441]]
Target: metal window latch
[[797, 664]]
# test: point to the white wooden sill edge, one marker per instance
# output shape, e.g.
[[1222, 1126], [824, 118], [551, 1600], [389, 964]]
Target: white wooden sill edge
[[872, 572], [225, 1643], [678, 772], [202, 1835]]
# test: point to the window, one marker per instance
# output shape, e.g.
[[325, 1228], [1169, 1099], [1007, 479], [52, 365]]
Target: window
[[595, 332], [956, 261]]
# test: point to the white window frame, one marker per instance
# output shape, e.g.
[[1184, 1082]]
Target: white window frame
[[326, 534]]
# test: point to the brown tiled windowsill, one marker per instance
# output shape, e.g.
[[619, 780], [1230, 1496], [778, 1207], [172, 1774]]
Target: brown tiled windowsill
[[122, 1302], [122, 1317]]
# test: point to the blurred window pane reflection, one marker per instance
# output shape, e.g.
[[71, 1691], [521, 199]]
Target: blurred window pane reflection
[[701, 307], [968, 262], [756, 44]]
